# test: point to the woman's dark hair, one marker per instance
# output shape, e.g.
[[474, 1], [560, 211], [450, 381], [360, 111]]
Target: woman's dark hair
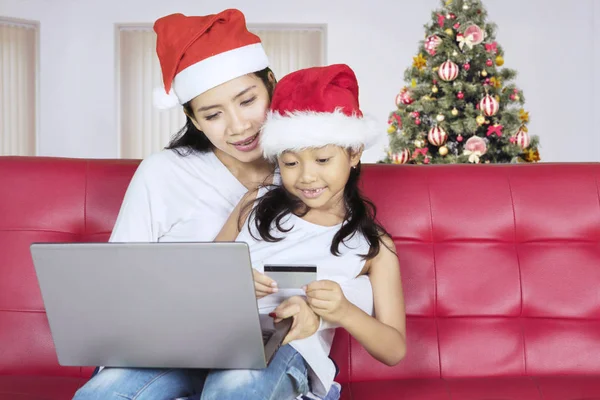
[[360, 217], [189, 139]]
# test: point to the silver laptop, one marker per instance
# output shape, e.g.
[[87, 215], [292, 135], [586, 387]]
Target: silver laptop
[[157, 305]]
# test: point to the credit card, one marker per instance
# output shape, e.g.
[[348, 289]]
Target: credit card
[[291, 276]]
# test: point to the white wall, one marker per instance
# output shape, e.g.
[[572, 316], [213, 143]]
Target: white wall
[[549, 42]]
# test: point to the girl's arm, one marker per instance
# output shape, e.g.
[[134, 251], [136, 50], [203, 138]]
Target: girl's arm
[[384, 336]]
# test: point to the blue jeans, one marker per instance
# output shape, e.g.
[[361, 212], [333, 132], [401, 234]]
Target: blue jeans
[[285, 378]]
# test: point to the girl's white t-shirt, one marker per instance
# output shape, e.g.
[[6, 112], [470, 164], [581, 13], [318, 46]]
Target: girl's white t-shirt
[[173, 198], [306, 243]]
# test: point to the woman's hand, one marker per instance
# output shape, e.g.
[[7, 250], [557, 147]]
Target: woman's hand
[[327, 300], [263, 285], [305, 323]]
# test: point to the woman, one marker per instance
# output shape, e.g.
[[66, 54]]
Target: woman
[[218, 71]]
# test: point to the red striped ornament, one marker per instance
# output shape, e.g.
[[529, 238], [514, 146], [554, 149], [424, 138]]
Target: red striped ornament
[[448, 71], [437, 136], [489, 105], [522, 138], [400, 158]]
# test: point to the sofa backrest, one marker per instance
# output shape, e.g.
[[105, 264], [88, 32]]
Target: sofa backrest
[[47, 200], [500, 264], [501, 269]]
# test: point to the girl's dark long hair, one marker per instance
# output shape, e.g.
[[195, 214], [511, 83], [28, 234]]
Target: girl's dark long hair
[[360, 217], [190, 140]]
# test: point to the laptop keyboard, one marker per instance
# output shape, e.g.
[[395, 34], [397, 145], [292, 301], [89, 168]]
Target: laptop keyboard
[[266, 336]]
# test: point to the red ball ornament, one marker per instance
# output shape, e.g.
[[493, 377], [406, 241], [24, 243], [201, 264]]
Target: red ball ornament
[[418, 121], [426, 161], [459, 138], [457, 25], [460, 95], [432, 43], [403, 97], [487, 81], [489, 62], [467, 66], [437, 136], [400, 158], [415, 114], [448, 71], [522, 138], [512, 97], [489, 105]]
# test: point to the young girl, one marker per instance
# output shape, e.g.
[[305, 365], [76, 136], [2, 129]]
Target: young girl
[[218, 71], [316, 132]]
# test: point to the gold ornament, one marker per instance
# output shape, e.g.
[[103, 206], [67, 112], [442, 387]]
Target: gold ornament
[[413, 82], [419, 143], [484, 73], [466, 7], [434, 89], [480, 120], [517, 98], [454, 53], [391, 129], [532, 155], [499, 61], [454, 112], [449, 32], [448, 2], [440, 118], [419, 62], [523, 115], [496, 82], [443, 151]]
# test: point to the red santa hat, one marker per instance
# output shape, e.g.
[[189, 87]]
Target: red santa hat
[[316, 107], [198, 53]]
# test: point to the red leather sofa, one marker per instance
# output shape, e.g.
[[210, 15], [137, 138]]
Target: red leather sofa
[[501, 270]]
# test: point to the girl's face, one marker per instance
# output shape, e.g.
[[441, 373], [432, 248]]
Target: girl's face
[[231, 115], [318, 176]]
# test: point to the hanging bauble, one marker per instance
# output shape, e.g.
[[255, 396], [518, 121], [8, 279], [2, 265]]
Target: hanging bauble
[[522, 138], [448, 71], [432, 43], [403, 97], [437, 136], [400, 158], [489, 106]]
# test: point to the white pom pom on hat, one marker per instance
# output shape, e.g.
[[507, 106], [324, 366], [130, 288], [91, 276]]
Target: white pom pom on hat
[[164, 101]]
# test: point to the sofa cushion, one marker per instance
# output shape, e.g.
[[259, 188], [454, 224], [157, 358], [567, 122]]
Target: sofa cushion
[[32, 387], [501, 388]]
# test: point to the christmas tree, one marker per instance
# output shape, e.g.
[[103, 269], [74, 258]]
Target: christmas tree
[[459, 105]]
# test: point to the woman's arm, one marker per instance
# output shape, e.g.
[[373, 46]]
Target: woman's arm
[[384, 336], [142, 214], [237, 218]]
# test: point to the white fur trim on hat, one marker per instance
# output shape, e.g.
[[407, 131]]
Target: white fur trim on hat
[[218, 69], [162, 100], [299, 130]]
